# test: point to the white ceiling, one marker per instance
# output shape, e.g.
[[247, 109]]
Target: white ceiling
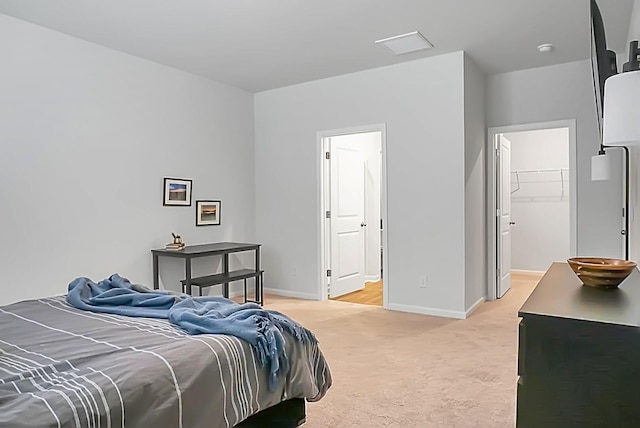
[[263, 44]]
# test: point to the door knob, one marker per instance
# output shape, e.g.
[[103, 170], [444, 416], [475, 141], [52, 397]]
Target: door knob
[[512, 223], [363, 224]]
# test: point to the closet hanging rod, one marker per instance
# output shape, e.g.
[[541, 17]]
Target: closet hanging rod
[[562, 172], [533, 171]]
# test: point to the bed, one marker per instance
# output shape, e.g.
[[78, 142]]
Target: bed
[[65, 367]]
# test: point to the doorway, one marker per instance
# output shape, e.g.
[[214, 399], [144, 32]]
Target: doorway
[[353, 208], [531, 200]]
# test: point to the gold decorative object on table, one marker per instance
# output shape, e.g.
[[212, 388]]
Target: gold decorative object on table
[[601, 272], [177, 244]]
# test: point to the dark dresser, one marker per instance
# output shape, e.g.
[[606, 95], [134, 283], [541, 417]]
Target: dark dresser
[[579, 354]]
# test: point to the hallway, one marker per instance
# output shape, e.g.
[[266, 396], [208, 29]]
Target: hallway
[[371, 295]]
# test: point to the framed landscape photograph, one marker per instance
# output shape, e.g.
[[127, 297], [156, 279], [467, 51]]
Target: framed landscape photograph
[[207, 213], [177, 191]]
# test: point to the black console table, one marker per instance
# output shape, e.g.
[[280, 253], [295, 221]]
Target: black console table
[[225, 277], [579, 354]]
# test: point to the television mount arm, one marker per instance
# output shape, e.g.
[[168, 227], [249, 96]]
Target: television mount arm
[[634, 54]]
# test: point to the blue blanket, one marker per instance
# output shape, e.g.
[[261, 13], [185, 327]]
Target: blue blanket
[[213, 315]]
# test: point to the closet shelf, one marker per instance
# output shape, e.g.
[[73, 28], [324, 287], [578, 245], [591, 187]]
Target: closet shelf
[[561, 171], [536, 171]]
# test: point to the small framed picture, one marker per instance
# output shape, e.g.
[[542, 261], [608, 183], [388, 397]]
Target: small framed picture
[[177, 191], [207, 213]]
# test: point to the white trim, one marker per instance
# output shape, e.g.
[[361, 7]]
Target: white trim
[[371, 278], [422, 310], [491, 190], [236, 293], [289, 293], [528, 272], [235, 290], [321, 138], [475, 306], [325, 243], [491, 171]]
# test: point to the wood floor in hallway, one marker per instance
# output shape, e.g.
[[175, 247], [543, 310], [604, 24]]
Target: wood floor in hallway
[[370, 295], [527, 279]]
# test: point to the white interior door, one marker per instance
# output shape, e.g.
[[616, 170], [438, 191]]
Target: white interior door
[[503, 215], [347, 218]]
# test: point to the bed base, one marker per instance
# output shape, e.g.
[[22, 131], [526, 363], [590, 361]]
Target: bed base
[[287, 414]]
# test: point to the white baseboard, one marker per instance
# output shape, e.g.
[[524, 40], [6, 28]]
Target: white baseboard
[[427, 311], [371, 278], [233, 291], [474, 306], [239, 291], [528, 272], [236, 293], [290, 293]]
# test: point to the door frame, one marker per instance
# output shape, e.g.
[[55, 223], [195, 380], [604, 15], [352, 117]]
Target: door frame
[[492, 191], [323, 187]]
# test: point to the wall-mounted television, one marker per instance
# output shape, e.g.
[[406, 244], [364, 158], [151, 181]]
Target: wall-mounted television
[[603, 61]]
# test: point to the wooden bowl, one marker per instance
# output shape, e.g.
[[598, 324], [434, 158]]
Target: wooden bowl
[[601, 272]]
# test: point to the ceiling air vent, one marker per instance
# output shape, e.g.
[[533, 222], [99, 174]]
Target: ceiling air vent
[[405, 43]]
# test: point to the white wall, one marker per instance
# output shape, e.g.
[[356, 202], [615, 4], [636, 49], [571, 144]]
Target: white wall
[[557, 93], [634, 24], [86, 136], [421, 103], [540, 204], [369, 144], [475, 183]]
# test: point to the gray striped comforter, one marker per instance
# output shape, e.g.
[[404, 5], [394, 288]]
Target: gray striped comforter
[[63, 367]]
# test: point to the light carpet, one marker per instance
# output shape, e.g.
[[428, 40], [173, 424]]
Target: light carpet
[[393, 369]]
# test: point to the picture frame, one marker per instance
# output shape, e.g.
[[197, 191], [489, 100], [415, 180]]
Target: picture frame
[[176, 192], [208, 213]]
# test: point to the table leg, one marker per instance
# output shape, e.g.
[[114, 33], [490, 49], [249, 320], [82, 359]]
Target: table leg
[[187, 271], [258, 277], [245, 290], [225, 269], [156, 282]]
